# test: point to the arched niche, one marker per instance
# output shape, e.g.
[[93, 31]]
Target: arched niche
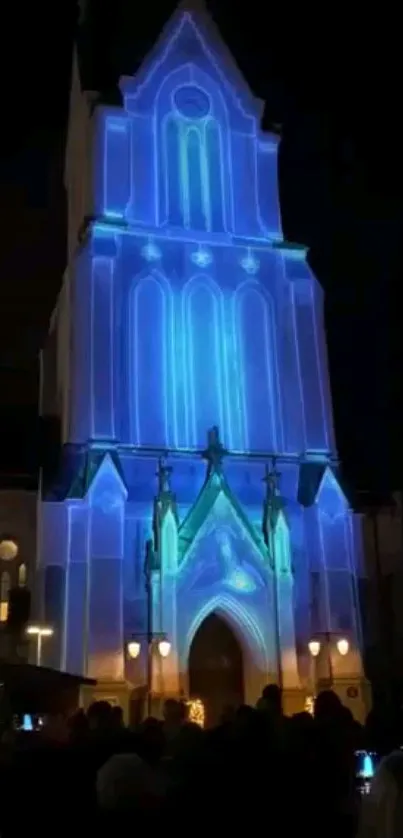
[[216, 667], [254, 338], [190, 152], [152, 358], [203, 326], [243, 623]]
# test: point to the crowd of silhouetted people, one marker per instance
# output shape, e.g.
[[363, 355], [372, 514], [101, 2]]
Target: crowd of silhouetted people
[[257, 769]]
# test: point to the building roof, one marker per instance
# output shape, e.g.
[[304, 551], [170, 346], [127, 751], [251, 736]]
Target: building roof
[[21, 673], [38, 689]]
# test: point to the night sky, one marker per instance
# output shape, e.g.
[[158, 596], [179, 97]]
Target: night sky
[[335, 89]]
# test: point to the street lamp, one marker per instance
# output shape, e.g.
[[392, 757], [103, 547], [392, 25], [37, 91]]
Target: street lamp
[[164, 648], [39, 632], [133, 649], [153, 640], [315, 645], [343, 646]]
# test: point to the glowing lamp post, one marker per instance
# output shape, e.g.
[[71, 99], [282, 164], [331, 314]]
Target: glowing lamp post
[[315, 645], [39, 632], [164, 648], [153, 642], [343, 646], [314, 648], [133, 649]]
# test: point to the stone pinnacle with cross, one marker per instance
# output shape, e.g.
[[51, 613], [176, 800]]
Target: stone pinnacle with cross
[[215, 451], [163, 474]]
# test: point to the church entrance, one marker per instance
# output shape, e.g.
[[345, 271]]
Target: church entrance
[[216, 668]]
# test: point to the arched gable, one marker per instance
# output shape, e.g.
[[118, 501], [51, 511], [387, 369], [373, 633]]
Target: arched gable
[[191, 151], [330, 497], [241, 620], [191, 33]]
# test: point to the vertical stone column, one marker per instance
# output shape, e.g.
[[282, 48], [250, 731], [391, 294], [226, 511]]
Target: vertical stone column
[[169, 562], [107, 502], [309, 335], [103, 386], [166, 538], [285, 605], [53, 560], [74, 658]]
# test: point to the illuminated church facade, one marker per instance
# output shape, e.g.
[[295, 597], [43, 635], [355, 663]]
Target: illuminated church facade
[[187, 363]]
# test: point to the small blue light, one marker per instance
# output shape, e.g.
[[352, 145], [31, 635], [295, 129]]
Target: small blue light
[[250, 264], [201, 257], [113, 214], [151, 252]]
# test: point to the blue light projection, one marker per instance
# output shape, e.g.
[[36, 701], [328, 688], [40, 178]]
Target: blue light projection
[[189, 315], [201, 257], [151, 252], [195, 260]]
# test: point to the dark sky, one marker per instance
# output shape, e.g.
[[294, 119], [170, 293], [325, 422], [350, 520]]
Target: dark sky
[[335, 87]]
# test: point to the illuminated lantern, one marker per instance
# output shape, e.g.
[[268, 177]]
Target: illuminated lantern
[[8, 549]]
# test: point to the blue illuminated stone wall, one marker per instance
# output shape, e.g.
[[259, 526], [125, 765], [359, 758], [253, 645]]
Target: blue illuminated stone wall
[[188, 313], [187, 256]]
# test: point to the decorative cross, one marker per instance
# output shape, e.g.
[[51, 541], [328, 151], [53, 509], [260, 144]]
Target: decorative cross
[[163, 474], [215, 451]]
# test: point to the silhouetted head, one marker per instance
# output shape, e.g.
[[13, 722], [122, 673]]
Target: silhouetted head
[[78, 725], [117, 717], [228, 714], [151, 740], [127, 783], [272, 698], [328, 706], [183, 710], [300, 729], [99, 715], [244, 713], [173, 711]]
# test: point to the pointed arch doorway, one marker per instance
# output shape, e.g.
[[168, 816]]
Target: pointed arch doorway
[[216, 670]]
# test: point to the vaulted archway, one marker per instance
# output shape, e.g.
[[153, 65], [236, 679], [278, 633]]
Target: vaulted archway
[[216, 667]]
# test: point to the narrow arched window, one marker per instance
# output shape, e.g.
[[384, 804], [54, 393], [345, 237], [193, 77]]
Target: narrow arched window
[[193, 162]]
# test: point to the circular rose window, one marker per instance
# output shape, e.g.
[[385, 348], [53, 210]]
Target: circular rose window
[[191, 102]]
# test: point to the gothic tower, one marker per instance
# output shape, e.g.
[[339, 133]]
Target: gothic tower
[[187, 363]]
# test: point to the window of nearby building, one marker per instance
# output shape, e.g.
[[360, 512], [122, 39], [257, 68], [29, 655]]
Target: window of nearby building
[[5, 585], [22, 575]]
